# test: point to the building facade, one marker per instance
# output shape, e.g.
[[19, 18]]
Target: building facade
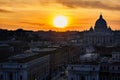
[[33, 66], [101, 34], [95, 68], [83, 72]]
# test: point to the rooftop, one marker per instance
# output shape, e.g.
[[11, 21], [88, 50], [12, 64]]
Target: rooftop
[[40, 50], [21, 56], [89, 57], [30, 55]]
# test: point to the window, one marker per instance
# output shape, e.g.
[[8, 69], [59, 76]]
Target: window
[[104, 78], [113, 58], [1, 77], [104, 67], [72, 67], [93, 68], [112, 68], [1, 65], [101, 67], [20, 66], [82, 78], [71, 78], [10, 76], [21, 77], [118, 68]]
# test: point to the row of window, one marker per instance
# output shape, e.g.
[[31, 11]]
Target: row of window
[[1, 66], [105, 68], [101, 78], [93, 68], [81, 78], [11, 77]]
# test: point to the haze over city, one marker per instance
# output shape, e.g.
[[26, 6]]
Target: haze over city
[[40, 14], [59, 39]]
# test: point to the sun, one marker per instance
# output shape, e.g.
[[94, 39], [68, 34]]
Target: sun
[[60, 21]]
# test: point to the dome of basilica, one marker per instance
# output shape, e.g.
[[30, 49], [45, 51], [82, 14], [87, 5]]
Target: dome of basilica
[[101, 22]]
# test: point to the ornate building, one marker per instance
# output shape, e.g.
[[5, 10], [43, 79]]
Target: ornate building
[[101, 34], [93, 67], [26, 66]]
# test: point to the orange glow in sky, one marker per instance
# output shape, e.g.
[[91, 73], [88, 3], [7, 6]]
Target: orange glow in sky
[[39, 14]]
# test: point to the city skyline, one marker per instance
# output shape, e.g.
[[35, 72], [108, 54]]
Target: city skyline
[[39, 14]]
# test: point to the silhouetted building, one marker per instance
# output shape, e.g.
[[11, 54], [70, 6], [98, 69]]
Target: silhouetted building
[[5, 51], [100, 35]]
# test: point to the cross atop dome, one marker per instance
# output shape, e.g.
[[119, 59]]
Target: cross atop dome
[[101, 15]]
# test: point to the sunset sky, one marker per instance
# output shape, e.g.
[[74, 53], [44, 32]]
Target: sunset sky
[[39, 14]]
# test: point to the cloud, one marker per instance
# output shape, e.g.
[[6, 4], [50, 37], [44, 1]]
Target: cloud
[[30, 23], [89, 4], [5, 11], [25, 2], [115, 21]]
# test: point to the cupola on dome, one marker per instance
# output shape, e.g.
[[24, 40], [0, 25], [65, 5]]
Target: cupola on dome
[[100, 22]]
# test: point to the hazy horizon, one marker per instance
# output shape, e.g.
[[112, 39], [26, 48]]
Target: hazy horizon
[[39, 14]]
